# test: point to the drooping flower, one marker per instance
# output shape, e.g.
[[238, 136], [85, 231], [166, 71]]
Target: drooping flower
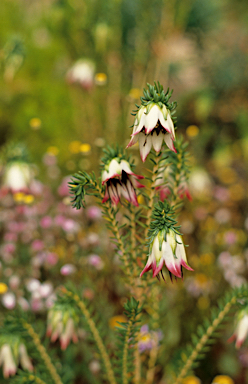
[[82, 72], [241, 330], [120, 181], [12, 352], [62, 325], [153, 123], [170, 252], [166, 245]]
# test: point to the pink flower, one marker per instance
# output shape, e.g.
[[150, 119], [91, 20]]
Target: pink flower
[[46, 222], [67, 269], [93, 213], [120, 181]]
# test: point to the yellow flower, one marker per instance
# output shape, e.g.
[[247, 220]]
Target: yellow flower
[[35, 123], [3, 288], [28, 199], [53, 150], [84, 148], [100, 78], [19, 197], [115, 320], [222, 379], [192, 131]]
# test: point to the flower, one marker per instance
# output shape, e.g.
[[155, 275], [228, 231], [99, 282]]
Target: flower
[[62, 324], [152, 125], [7, 361], [241, 330], [120, 181], [13, 351], [17, 176], [168, 250], [82, 72]]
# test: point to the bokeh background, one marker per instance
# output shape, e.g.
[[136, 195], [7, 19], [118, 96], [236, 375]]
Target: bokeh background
[[71, 72]]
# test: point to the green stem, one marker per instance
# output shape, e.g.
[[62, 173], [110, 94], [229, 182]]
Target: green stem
[[125, 351], [157, 159], [152, 361], [35, 379], [203, 341], [137, 365], [97, 337], [115, 229], [43, 353]]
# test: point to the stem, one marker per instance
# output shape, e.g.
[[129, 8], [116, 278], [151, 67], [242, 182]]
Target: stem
[[116, 233], [125, 351], [157, 159], [43, 353], [203, 340], [114, 226], [97, 337], [137, 375], [152, 361], [36, 379]]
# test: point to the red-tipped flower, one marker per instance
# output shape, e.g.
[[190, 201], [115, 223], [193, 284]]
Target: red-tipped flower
[[152, 126], [120, 181], [170, 252]]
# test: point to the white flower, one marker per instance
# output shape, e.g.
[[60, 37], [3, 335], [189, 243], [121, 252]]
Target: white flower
[[82, 72], [17, 176], [62, 325], [7, 361], [120, 181], [152, 125], [170, 252], [24, 359], [241, 330]]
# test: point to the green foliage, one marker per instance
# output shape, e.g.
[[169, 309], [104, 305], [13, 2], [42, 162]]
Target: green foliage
[[126, 333], [80, 186]]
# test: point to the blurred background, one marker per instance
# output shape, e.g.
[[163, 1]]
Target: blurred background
[[71, 72]]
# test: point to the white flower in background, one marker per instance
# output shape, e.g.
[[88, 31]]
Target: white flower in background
[[62, 325], [13, 352], [153, 125], [17, 176], [82, 72], [241, 331], [7, 361], [120, 181]]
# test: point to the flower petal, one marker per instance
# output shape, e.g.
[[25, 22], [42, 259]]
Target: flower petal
[[169, 142], [133, 140], [169, 259], [151, 119], [145, 144], [157, 141]]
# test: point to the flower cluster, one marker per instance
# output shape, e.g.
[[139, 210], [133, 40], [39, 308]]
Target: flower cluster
[[12, 352], [119, 179], [62, 324], [166, 245], [241, 330], [154, 122]]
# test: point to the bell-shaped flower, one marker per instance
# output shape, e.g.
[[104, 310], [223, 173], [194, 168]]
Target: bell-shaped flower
[[152, 126], [7, 361], [120, 181], [62, 325], [241, 331], [170, 252], [13, 352]]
